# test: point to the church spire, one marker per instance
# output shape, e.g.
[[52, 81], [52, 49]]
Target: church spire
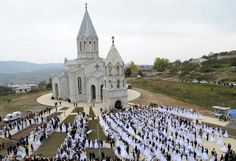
[[87, 39], [86, 5], [86, 27], [113, 38]]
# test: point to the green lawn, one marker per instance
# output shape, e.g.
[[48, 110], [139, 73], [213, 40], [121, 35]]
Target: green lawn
[[205, 95], [96, 128], [3, 99], [69, 119], [78, 109], [91, 113], [107, 151], [49, 147]]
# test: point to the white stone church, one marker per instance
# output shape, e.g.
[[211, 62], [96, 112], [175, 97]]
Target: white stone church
[[90, 78]]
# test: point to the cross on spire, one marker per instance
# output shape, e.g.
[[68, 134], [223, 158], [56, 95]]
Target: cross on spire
[[86, 5], [113, 38], [97, 66]]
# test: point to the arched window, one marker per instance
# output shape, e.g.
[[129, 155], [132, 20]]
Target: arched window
[[110, 70], [110, 84], [117, 70], [84, 46], [94, 45], [118, 84], [80, 46], [79, 85], [90, 46]]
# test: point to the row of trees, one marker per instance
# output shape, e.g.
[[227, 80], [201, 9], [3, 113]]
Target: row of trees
[[160, 64]]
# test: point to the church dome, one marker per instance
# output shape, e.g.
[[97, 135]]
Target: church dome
[[113, 56]]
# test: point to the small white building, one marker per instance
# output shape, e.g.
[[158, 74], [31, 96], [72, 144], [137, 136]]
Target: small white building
[[195, 81], [23, 88]]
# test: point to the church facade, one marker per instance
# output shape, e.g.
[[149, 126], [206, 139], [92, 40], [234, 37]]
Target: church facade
[[90, 78]]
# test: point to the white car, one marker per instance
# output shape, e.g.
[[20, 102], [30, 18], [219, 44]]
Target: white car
[[12, 116]]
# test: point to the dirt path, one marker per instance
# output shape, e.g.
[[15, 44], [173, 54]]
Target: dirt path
[[149, 97]]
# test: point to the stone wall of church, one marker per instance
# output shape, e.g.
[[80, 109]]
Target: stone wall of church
[[112, 96], [55, 87], [64, 87]]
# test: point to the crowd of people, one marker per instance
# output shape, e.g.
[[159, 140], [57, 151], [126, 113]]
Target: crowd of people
[[146, 132], [24, 122], [34, 139], [154, 133], [74, 145]]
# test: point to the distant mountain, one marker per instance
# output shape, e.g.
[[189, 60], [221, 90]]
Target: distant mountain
[[8, 67], [29, 77], [26, 72]]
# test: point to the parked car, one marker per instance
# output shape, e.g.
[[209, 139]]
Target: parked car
[[12, 116]]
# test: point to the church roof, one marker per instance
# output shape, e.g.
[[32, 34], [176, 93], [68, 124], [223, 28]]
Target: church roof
[[113, 56], [97, 73], [86, 27]]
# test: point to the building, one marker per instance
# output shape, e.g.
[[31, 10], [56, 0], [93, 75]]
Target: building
[[198, 61], [90, 78], [23, 88]]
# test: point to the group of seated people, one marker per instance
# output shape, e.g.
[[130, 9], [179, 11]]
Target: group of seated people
[[156, 133]]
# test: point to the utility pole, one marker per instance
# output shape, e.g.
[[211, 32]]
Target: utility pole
[[99, 148]]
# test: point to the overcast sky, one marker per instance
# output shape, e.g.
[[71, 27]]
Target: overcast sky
[[44, 31]]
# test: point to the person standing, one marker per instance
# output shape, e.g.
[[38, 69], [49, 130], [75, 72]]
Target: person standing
[[32, 147]]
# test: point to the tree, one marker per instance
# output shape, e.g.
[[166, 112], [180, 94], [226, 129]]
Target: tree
[[127, 71], [161, 64], [177, 63], [140, 73], [133, 67], [49, 85]]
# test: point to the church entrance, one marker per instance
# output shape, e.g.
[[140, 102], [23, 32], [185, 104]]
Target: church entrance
[[93, 93], [118, 105], [101, 93], [56, 90]]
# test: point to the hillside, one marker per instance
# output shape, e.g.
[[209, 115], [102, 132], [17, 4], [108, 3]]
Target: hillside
[[204, 95], [29, 77], [8, 67], [218, 67]]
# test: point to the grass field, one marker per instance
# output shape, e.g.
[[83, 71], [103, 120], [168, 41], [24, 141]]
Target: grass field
[[7, 143], [25, 102], [91, 113], [205, 95], [96, 128], [107, 151], [24, 132], [78, 109], [69, 119], [49, 147]]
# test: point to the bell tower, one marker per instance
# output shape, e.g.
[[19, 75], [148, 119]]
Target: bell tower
[[115, 90], [87, 39]]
